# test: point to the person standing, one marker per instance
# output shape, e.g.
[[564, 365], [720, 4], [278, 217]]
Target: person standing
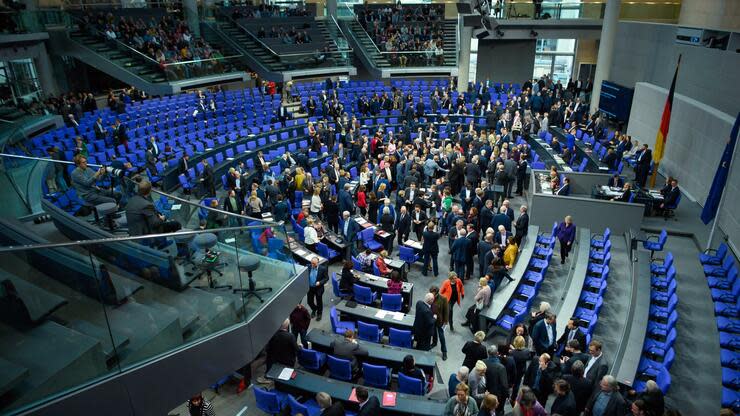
[[441, 309], [317, 278], [521, 225], [543, 335], [454, 291], [566, 233], [461, 404], [424, 322], [459, 252], [369, 405], [606, 400], [565, 401], [403, 225], [300, 320], [282, 348], [430, 250]]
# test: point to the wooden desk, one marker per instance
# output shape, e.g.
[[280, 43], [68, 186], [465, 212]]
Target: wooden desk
[[309, 384], [574, 285], [503, 294], [378, 354], [369, 314], [629, 352]]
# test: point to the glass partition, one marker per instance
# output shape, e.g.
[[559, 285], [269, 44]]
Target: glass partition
[[577, 9], [73, 313]]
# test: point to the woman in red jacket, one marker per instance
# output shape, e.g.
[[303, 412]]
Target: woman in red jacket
[[453, 290], [361, 201]]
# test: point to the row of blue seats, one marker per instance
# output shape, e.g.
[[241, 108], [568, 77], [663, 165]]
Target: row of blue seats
[[592, 293], [721, 272], [365, 296], [529, 285], [273, 402], [657, 352]]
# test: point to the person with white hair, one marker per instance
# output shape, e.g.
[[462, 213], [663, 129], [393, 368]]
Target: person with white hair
[[327, 407], [424, 321], [461, 376], [477, 381], [606, 401]]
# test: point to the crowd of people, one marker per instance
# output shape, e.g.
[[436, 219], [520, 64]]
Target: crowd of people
[[401, 30], [268, 11], [166, 39], [286, 36]]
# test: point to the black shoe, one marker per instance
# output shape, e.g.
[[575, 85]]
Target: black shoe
[[313, 314], [318, 318], [452, 328], [562, 261], [433, 345], [509, 278], [444, 356], [466, 323]]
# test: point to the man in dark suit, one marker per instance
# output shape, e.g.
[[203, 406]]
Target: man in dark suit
[[100, 131], [152, 146], [403, 225], [572, 333], [571, 356], [418, 220], [282, 347], [565, 189], [207, 179], [543, 335], [369, 405], [610, 159], [459, 253], [420, 109], [424, 321], [596, 367], [183, 165], [472, 172], [119, 134], [671, 197], [521, 225], [349, 229], [486, 215], [501, 219], [615, 181], [540, 376], [349, 348], [642, 167], [141, 216], [327, 407], [607, 397], [501, 237], [496, 380], [579, 385], [430, 249], [345, 200], [484, 247], [318, 275], [565, 401], [626, 193]]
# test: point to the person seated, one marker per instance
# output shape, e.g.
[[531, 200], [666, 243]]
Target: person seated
[[395, 284], [366, 260], [411, 370], [626, 193], [671, 196], [84, 180], [349, 348], [347, 279], [565, 189], [615, 181], [380, 263], [143, 218]]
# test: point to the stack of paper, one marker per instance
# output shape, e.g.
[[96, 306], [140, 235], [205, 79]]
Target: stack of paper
[[286, 374], [398, 316], [380, 314]]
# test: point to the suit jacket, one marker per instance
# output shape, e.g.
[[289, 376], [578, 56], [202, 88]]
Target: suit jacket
[[618, 183], [644, 159], [616, 406], [348, 350], [547, 376], [597, 371], [581, 389], [322, 276], [141, 216], [371, 407], [352, 230], [581, 356], [564, 405], [345, 202], [182, 166], [430, 243], [672, 196], [422, 219], [497, 239], [564, 190], [496, 381], [540, 338], [459, 249], [522, 225], [423, 321], [501, 219], [579, 336], [403, 224], [336, 409]]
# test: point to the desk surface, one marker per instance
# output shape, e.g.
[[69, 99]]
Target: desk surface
[[574, 286], [381, 283], [369, 314], [503, 294], [416, 245], [547, 154], [334, 239], [339, 390], [302, 253], [377, 353], [630, 348], [582, 149]]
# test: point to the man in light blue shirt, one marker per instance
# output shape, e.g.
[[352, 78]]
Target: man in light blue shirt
[[608, 401]]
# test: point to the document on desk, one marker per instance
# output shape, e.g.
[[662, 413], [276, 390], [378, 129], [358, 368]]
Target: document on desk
[[398, 316], [389, 398], [176, 207], [380, 314], [300, 252], [286, 374]]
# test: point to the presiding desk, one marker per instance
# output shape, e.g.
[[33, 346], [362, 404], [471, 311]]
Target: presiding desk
[[574, 286], [371, 315], [379, 354], [629, 352], [309, 384], [503, 294]]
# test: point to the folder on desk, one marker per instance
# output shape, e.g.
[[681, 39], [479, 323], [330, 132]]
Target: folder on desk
[[353, 396], [389, 398]]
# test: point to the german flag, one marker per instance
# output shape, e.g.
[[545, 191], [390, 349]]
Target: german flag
[[665, 121]]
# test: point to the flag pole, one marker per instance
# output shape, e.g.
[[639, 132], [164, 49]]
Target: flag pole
[[721, 199]]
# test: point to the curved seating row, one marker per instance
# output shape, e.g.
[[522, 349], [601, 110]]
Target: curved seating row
[[583, 296], [721, 273]]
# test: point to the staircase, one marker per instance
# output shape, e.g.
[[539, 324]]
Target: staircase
[[365, 46], [450, 42], [250, 46]]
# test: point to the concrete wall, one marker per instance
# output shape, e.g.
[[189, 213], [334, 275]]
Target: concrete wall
[[696, 139], [596, 214], [505, 60], [647, 52], [712, 14]]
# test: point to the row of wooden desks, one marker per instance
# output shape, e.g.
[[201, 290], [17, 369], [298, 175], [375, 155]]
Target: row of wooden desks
[[380, 354], [371, 315], [306, 383]]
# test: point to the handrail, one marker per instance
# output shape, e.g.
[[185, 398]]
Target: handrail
[[354, 17], [349, 50], [97, 33], [233, 43]]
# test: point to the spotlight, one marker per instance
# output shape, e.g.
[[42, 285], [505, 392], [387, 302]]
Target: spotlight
[[533, 34]]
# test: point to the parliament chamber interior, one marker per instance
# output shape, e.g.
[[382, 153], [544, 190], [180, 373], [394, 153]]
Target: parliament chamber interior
[[419, 207]]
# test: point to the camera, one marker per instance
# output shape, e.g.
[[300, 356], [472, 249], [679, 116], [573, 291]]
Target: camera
[[110, 170]]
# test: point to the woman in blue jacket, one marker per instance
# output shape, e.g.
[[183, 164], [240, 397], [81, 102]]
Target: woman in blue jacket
[[566, 233]]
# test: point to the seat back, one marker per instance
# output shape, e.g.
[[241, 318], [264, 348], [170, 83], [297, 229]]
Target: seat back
[[296, 407], [363, 294], [323, 250], [406, 254], [335, 284], [357, 264], [410, 385], [339, 368], [368, 332], [391, 302], [266, 401], [375, 375], [334, 319], [399, 338], [308, 358]]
